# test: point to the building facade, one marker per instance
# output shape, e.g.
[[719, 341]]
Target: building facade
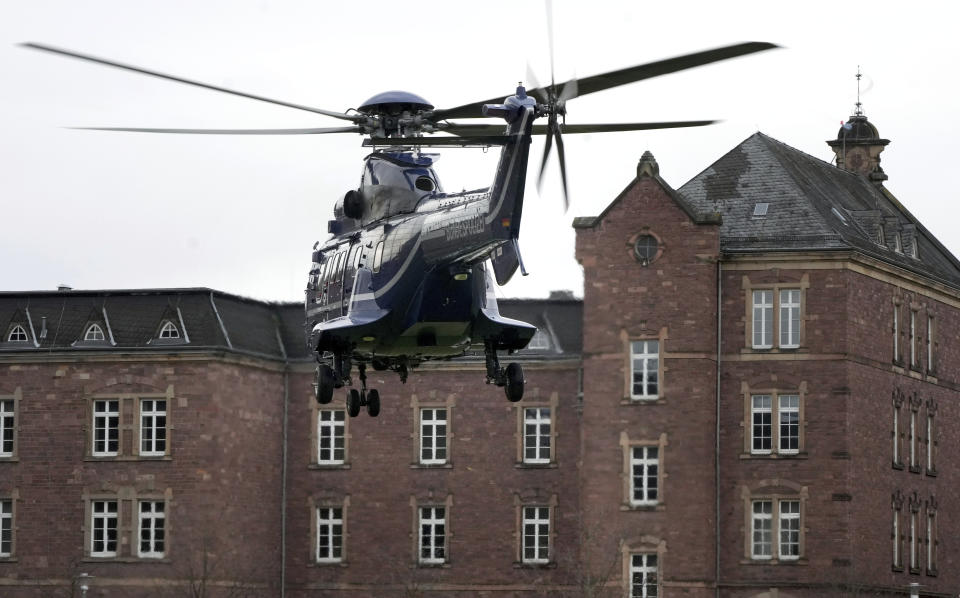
[[753, 399]]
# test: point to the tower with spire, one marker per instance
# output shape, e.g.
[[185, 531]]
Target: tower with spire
[[858, 144]]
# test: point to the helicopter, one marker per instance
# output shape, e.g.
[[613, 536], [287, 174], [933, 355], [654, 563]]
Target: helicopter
[[409, 271]]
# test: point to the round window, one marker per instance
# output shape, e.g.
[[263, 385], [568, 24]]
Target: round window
[[645, 248]]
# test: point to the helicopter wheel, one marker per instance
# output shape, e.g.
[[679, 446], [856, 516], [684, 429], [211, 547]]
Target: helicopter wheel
[[353, 402], [324, 384], [514, 382], [373, 402]]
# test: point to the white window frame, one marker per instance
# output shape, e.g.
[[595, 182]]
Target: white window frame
[[896, 435], [913, 338], [331, 426], [788, 525], [912, 433], [107, 420], [644, 468], [432, 544], [762, 319], [6, 527], [761, 405], [645, 362], [931, 426], [151, 523], [761, 529], [790, 318], [94, 333], [18, 334], [431, 436], [536, 535], [644, 567], [914, 543], [896, 332], [781, 411], [897, 557], [169, 330], [930, 330], [101, 518], [537, 437], [931, 541], [329, 528], [8, 427], [151, 410]]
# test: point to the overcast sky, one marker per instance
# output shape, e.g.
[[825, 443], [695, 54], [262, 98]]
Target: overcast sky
[[99, 210]]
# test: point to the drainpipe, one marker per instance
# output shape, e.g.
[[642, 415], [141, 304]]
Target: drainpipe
[[716, 448], [283, 485]]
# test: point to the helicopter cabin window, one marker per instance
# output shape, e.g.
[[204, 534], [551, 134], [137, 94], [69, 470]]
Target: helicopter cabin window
[[378, 257]]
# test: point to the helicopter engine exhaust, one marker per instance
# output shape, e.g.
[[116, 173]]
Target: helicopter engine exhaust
[[353, 204]]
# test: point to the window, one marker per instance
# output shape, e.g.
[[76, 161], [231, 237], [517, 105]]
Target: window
[[643, 575], [644, 475], [17, 334], [897, 555], [896, 332], [646, 249], [103, 525], [7, 427], [169, 330], [329, 535], [432, 535], [789, 318], [106, 428], [896, 435], [94, 333], [644, 369], [932, 541], [776, 532], [151, 529], [787, 329], [153, 427], [912, 439], [930, 364], [931, 438], [433, 436], [536, 535], [913, 338], [914, 542], [6, 528], [331, 440], [775, 424], [540, 341], [762, 319], [536, 435], [378, 257]]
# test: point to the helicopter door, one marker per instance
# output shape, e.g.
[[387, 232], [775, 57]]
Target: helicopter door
[[334, 294], [349, 273]]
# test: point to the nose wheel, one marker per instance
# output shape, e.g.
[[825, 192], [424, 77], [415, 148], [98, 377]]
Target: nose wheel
[[358, 399]]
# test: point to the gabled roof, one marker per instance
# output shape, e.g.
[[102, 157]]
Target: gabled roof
[[812, 206]]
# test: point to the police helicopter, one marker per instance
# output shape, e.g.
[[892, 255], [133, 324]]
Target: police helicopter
[[408, 272]]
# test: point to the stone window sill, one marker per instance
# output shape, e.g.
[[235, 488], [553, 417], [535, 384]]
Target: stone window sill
[[329, 466]]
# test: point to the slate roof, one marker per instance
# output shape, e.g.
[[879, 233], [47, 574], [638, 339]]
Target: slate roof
[[812, 206], [212, 320]]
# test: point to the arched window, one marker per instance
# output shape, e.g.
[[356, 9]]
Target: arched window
[[17, 334], [169, 330], [94, 333]]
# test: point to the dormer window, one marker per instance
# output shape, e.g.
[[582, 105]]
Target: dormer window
[[17, 334], [94, 333], [540, 341], [914, 251], [880, 238], [898, 244], [169, 330]]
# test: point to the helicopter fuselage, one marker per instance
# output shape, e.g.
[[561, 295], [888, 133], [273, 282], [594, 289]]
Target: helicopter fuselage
[[404, 277]]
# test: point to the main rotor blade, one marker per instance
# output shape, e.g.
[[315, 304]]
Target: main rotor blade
[[136, 69], [562, 158], [622, 77], [478, 129], [546, 150], [321, 131]]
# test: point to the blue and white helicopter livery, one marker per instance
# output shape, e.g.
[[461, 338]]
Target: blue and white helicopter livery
[[408, 272]]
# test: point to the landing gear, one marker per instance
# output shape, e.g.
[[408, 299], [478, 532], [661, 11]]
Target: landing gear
[[356, 399], [324, 384], [510, 377]]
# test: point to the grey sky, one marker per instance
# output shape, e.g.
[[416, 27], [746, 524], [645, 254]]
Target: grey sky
[[240, 214]]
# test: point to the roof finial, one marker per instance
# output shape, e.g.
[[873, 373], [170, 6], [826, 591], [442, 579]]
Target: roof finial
[[858, 111]]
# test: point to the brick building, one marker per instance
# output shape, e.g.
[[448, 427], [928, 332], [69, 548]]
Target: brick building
[[751, 400]]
